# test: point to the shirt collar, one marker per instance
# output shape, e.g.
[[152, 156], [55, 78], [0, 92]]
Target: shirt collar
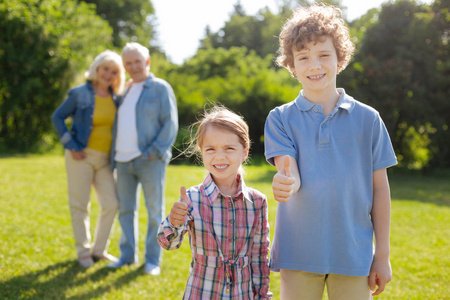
[[90, 87], [345, 102], [150, 78], [212, 191]]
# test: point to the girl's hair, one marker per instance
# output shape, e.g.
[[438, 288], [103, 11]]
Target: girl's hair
[[105, 57], [313, 24], [139, 48], [220, 117]]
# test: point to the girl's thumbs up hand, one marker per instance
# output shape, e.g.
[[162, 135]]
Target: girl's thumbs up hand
[[179, 209], [283, 182]]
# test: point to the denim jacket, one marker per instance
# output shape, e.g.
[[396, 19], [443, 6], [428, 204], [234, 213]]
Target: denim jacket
[[156, 120], [80, 106]]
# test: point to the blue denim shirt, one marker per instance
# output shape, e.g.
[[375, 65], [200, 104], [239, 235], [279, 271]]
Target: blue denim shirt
[[79, 105], [156, 120]]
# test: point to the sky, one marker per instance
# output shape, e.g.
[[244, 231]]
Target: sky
[[180, 24]]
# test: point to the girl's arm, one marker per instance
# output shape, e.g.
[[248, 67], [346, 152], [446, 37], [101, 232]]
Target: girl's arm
[[380, 272], [172, 229], [169, 236], [260, 261]]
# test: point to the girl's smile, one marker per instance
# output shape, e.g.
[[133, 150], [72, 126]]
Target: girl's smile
[[222, 154]]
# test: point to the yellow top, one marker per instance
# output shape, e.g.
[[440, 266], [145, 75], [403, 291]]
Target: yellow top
[[103, 120]]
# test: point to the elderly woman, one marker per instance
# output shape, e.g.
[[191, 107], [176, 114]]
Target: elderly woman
[[87, 144]]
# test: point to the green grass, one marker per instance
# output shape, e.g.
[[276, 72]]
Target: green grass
[[38, 259]]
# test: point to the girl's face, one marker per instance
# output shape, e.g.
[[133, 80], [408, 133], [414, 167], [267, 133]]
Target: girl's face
[[222, 154], [107, 75]]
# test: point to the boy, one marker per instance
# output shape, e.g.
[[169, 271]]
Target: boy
[[340, 150]]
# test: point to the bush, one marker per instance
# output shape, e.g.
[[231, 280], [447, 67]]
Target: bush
[[42, 49], [242, 81]]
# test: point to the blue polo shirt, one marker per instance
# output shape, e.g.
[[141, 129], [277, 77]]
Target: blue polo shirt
[[326, 227]]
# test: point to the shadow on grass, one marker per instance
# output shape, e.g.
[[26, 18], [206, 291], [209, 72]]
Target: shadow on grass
[[421, 188], [54, 281]]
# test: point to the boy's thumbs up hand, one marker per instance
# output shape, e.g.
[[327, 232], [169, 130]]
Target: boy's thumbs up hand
[[179, 209], [283, 182], [287, 166]]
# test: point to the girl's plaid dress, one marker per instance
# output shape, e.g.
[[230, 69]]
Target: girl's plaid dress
[[229, 239]]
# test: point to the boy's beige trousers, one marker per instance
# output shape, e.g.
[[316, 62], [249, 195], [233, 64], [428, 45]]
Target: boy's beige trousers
[[300, 285]]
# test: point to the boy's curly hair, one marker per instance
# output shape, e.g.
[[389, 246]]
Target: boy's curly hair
[[312, 24]]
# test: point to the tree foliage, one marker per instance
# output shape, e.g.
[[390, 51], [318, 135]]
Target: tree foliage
[[42, 48], [131, 20], [236, 78], [258, 33], [400, 69]]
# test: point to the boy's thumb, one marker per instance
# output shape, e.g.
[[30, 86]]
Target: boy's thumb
[[183, 195], [287, 166]]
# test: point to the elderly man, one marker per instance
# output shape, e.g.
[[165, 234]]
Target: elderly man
[[145, 129]]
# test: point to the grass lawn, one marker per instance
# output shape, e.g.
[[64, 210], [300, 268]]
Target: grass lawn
[[38, 259]]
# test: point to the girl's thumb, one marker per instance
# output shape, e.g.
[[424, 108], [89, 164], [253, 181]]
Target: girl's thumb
[[183, 195]]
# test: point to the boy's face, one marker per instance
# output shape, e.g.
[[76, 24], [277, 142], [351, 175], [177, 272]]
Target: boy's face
[[316, 65]]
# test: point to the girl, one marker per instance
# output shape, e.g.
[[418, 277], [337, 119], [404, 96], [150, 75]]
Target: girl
[[92, 106], [227, 221]]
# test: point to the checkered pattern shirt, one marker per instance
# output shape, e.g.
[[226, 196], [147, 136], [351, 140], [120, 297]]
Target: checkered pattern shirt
[[229, 239]]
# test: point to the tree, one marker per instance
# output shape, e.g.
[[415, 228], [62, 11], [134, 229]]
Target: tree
[[236, 78], [131, 20], [440, 140], [397, 70], [258, 33], [42, 49]]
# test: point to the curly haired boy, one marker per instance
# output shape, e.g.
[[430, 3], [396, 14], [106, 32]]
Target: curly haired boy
[[331, 152]]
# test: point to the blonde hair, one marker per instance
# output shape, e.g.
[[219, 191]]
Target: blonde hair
[[105, 57], [313, 24], [220, 117], [139, 48]]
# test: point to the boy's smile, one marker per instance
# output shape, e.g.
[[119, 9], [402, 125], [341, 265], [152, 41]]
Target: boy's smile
[[316, 77], [316, 66]]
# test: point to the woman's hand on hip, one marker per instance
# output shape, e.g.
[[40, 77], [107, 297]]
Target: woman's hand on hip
[[78, 155]]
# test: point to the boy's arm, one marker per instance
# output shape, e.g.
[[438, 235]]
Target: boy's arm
[[380, 272], [287, 180]]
